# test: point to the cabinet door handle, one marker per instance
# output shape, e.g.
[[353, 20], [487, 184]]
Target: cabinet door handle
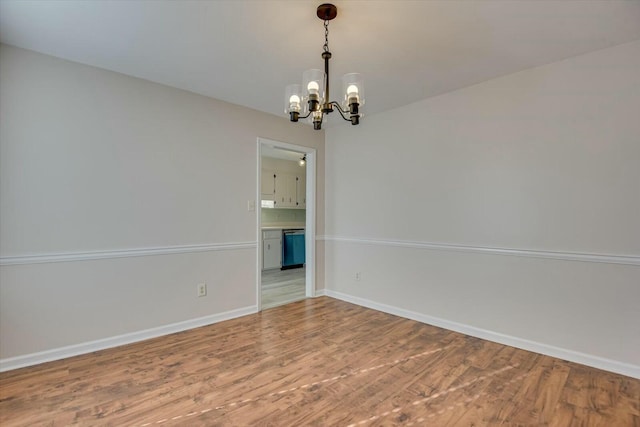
[[268, 246]]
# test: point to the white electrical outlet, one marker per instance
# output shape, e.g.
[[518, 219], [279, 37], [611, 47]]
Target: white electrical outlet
[[202, 289], [357, 276]]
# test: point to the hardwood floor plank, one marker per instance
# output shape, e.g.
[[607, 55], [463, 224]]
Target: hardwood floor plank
[[316, 362]]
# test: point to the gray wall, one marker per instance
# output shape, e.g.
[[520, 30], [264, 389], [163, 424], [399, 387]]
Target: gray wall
[[95, 164], [430, 203]]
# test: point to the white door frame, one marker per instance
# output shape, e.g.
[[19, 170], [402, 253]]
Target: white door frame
[[310, 225]]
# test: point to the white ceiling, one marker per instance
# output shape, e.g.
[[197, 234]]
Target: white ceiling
[[246, 52]]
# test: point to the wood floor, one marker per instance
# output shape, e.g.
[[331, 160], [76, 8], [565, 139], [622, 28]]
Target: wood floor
[[318, 362], [282, 286]]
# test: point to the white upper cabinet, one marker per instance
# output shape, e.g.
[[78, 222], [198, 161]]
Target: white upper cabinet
[[268, 185], [285, 190], [284, 183], [301, 191]]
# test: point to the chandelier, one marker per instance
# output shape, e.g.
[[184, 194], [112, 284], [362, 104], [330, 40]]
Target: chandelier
[[311, 100]]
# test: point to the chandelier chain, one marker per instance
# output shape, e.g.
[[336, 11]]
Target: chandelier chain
[[326, 36]]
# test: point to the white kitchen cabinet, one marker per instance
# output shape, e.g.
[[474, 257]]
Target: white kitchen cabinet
[[268, 185], [301, 191], [271, 249], [282, 184], [285, 190]]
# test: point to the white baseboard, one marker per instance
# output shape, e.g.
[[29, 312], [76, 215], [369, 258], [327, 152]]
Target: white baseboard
[[548, 350], [91, 346], [320, 293]]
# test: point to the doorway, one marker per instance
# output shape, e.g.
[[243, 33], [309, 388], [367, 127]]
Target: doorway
[[286, 189]]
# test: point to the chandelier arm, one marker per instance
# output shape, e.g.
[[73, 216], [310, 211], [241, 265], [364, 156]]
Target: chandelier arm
[[340, 110]]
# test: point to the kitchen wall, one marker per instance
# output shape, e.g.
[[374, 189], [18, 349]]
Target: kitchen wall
[[282, 165], [283, 216], [119, 196], [507, 210]]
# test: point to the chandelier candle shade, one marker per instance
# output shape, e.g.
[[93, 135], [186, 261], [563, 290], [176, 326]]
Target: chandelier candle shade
[[311, 100]]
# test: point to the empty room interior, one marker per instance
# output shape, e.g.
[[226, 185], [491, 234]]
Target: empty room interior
[[365, 213]]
